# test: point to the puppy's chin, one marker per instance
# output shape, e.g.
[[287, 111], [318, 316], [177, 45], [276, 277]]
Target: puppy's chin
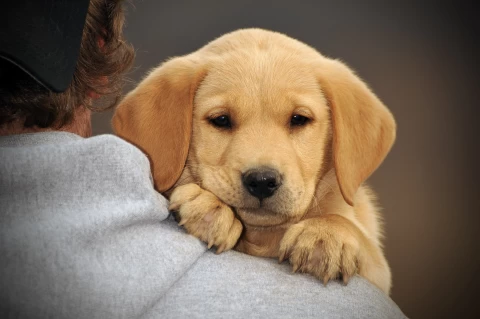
[[261, 217]]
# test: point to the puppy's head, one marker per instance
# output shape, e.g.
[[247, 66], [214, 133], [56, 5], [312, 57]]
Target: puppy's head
[[257, 118]]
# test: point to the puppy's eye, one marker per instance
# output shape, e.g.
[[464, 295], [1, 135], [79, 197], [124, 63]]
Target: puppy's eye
[[222, 121], [298, 120]]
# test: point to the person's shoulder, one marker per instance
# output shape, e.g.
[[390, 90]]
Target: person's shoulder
[[67, 152], [113, 153], [112, 143], [53, 146], [262, 287], [115, 148], [58, 141]]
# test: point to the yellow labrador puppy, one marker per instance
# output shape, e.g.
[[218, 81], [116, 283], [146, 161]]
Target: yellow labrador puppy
[[262, 144]]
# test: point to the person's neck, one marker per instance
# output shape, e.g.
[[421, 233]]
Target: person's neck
[[80, 125]]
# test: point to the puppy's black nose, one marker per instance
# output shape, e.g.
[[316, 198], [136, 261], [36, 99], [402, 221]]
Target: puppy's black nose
[[262, 182]]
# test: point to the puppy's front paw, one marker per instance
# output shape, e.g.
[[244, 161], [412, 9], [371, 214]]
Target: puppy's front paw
[[206, 217], [325, 247]]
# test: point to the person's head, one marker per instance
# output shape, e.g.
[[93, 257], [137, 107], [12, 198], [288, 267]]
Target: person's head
[[104, 57]]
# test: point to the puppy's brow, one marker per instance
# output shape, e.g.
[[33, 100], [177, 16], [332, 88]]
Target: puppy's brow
[[308, 102], [213, 102]]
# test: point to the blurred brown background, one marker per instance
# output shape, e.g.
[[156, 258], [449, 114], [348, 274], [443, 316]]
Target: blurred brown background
[[421, 61]]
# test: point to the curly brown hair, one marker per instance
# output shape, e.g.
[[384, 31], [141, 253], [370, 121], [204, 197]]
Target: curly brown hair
[[99, 69]]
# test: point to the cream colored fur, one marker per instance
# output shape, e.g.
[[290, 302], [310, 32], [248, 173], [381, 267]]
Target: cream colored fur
[[322, 218]]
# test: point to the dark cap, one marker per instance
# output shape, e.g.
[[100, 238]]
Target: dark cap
[[43, 38]]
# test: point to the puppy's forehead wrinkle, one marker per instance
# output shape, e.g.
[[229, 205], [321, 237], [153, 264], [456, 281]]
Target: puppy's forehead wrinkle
[[209, 102], [260, 66]]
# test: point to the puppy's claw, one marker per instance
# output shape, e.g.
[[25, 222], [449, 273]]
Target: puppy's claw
[[210, 244], [346, 278], [284, 255], [173, 206], [182, 222], [325, 280], [295, 268], [281, 258], [220, 249]]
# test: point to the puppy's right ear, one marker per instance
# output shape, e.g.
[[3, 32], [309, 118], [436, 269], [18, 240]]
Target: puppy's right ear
[[157, 117]]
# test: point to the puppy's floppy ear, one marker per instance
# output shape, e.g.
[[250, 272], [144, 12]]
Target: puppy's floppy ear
[[363, 128], [157, 117]]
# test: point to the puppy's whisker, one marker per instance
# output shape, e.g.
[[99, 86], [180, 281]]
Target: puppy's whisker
[[315, 201], [328, 184]]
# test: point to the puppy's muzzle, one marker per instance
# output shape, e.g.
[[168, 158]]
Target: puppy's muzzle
[[261, 182]]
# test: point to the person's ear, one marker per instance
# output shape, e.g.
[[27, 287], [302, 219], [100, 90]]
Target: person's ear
[[157, 117], [363, 128]]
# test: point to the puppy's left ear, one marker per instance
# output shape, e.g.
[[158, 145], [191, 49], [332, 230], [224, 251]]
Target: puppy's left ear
[[363, 127], [157, 117]]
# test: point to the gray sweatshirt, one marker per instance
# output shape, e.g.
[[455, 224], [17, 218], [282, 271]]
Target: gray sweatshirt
[[83, 234]]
